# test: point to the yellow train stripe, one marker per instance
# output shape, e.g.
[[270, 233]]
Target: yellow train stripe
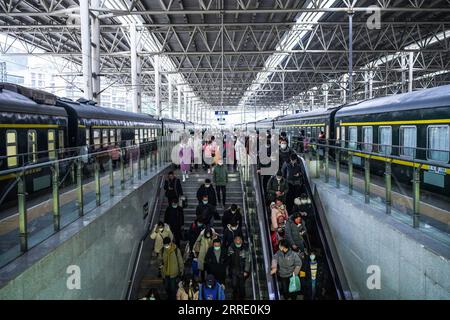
[[81, 126], [26, 126], [402, 122], [306, 125], [14, 175], [397, 161]]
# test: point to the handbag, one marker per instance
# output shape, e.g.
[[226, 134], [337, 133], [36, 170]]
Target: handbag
[[294, 284], [182, 202]]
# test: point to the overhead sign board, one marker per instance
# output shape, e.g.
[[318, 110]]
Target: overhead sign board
[[221, 113]]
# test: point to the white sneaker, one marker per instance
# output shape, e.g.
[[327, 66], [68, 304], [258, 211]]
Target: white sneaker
[[209, 171], [187, 176], [184, 178]]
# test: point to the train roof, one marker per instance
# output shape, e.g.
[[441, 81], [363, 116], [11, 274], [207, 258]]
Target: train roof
[[18, 99], [89, 111], [310, 114], [422, 99]]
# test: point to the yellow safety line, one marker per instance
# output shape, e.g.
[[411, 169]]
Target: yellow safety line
[[31, 125], [397, 161], [402, 122]]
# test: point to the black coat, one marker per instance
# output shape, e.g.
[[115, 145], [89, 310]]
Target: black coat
[[210, 192], [206, 212], [228, 235], [284, 156], [228, 216], [173, 188], [217, 268], [174, 217], [292, 173]]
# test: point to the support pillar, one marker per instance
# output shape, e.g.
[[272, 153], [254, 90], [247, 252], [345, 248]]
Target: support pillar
[[179, 101], [157, 85], [135, 78], [171, 107], [350, 56], [411, 73], [370, 84], [185, 103], [95, 31], [86, 50], [403, 68]]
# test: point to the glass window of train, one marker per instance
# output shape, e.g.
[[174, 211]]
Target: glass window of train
[[338, 133], [112, 136], [60, 139], [352, 137], [367, 138], [96, 135], [51, 144], [119, 135], [136, 136], [32, 146], [343, 137], [141, 135], [408, 141], [385, 139], [88, 140], [11, 148], [145, 135], [438, 143], [105, 138]]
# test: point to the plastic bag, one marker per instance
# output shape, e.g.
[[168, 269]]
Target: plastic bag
[[294, 284]]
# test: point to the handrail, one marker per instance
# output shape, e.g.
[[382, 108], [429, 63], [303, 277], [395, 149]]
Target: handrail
[[247, 228], [336, 269], [155, 210], [272, 284]]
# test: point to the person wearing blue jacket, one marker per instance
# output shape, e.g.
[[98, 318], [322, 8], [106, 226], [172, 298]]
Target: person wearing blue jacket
[[211, 289]]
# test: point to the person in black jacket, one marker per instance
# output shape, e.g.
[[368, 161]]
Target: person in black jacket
[[194, 231], [292, 172], [172, 186], [239, 267], [234, 212], [206, 211], [284, 153], [232, 230], [208, 190], [216, 261], [174, 217]]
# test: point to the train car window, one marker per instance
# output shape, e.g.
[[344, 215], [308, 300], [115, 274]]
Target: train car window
[[352, 137], [88, 142], [11, 148], [338, 134], [342, 137], [32, 146], [141, 135], [145, 135], [112, 136], [96, 135], [105, 137], [367, 138], [51, 144], [438, 143], [60, 139], [136, 136], [408, 141], [385, 139], [119, 135]]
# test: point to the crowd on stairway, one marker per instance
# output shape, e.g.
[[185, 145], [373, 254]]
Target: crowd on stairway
[[197, 262]]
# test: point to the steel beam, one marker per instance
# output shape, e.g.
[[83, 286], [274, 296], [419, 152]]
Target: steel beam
[[157, 85], [86, 50]]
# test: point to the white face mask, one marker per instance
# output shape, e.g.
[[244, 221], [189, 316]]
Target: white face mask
[[283, 146], [312, 257], [167, 246]]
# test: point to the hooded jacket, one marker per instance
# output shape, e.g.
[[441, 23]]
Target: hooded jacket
[[173, 264], [278, 215], [202, 245], [210, 192], [274, 185], [239, 259], [293, 234], [287, 263], [159, 237], [292, 173]]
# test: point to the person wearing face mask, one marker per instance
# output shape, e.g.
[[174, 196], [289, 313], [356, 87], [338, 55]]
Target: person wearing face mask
[[187, 289], [286, 263], [232, 230], [172, 187], [279, 217], [284, 153], [172, 267], [211, 289], [206, 189], [216, 261], [239, 267], [174, 217], [194, 231], [220, 178], [206, 211], [277, 187], [201, 246], [292, 172], [160, 231], [295, 233], [232, 213]]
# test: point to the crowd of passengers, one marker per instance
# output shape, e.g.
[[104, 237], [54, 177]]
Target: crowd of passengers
[[199, 263]]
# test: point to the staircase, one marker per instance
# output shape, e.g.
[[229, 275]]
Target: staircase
[[190, 186]]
